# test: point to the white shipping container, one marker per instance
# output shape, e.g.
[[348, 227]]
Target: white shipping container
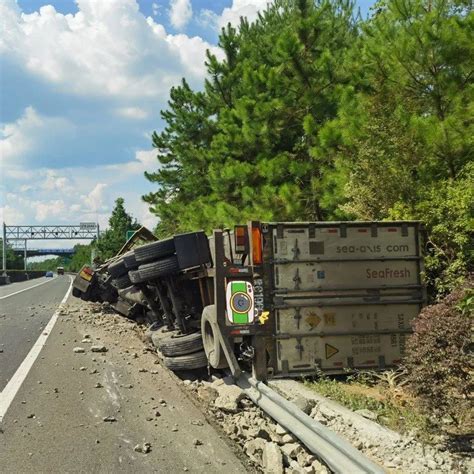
[[343, 295]]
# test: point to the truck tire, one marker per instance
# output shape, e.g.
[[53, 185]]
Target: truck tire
[[186, 362], [154, 251], [76, 292], [130, 261], [117, 268], [152, 328], [177, 345], [123, 281], [210, 339], [160, 268]]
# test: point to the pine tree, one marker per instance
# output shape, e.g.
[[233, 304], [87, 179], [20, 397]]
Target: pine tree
[[111, 241]]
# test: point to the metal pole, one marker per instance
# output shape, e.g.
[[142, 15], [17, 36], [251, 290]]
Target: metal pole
[[25, 255], [4, 246]]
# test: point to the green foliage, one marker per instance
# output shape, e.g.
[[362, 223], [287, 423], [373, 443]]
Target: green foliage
[[249, 145], [81, 257], [315, 114], [111, 241], [352, 393], [439, 357], [447, 207], [14, 260], [50, 264]]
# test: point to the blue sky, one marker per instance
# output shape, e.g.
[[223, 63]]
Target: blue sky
[[82, 84]]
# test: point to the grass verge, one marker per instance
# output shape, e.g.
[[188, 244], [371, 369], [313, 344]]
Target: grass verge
[[381, 394]]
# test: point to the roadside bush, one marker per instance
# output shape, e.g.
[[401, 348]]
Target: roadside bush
[[439, 356]]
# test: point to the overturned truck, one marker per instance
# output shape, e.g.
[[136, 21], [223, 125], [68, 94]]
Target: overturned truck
[[276, 299]]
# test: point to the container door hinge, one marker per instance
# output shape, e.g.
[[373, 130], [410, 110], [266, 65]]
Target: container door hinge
[[297, 317], [297, 279], [296, 251], [300, 348]]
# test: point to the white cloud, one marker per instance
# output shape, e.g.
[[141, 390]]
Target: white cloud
[[135, 113], [11, 215], [145, 160], [181, 11], [94, 200], [108, 48], [28, 133], [72, 195], [242, 8], [48, 209], [55, 182], [155, 8], [208, 19]]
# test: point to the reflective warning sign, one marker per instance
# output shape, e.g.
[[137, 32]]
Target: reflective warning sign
[[330, 351]]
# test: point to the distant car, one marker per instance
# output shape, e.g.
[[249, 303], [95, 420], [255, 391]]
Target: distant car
[[49, 274]]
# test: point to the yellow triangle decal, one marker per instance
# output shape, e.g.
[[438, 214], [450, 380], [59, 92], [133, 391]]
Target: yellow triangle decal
[[330, 351]]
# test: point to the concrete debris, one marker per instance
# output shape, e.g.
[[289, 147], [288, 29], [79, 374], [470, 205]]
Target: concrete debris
[[326, 412], [279, 430], [144, 448], [207, 393], [197, 442], [229, 395], [82, 368], [109, 419], [370, 415], [287, 439], [79, 350], [304, 404], [98, 385], [272, 459], [291, 450], [99, 348], [254, 449]]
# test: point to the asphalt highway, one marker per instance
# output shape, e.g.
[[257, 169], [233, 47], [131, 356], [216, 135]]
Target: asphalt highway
[[25, 309], [89, 412]]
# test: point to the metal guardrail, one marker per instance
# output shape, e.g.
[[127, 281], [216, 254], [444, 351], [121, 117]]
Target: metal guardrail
[[338, 454]]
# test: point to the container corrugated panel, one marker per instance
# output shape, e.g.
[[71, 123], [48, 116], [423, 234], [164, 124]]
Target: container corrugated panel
[[343, 319], [347, 274], [344, 294], [297, 356], [349, 240]]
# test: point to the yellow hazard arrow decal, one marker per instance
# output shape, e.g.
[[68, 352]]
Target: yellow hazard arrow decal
[[330, 351], [263, 317]]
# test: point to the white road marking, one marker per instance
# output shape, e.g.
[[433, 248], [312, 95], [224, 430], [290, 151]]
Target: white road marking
[[25, 289], [12, 387]]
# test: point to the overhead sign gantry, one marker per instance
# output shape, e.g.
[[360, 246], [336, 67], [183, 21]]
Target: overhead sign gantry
[[17, 233]]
